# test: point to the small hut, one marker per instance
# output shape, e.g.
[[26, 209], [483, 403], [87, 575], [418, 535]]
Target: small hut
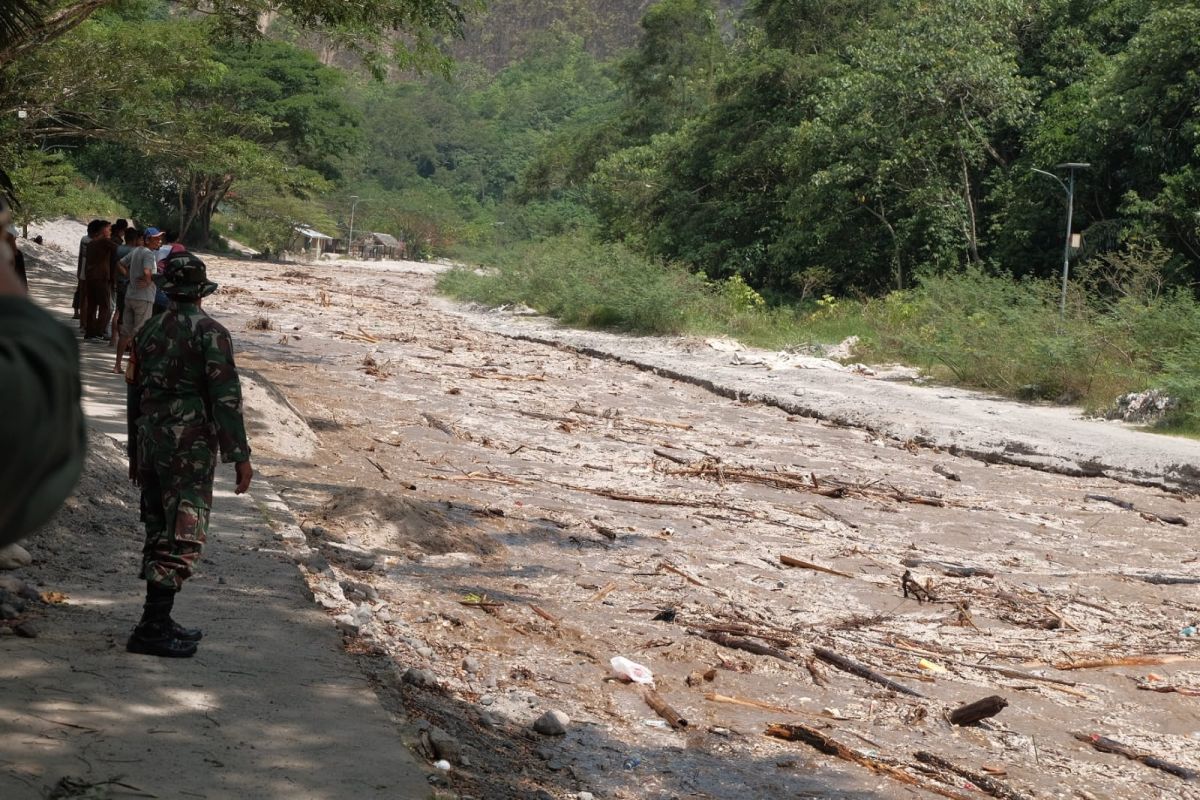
[[312, 242], [378, 247]]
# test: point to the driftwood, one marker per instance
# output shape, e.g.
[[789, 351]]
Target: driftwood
[[674, 570], [985, 783], [746, 702], [949, 569], [862, 671], [738, 643], [1169, 519], [603, 593], [947, 474], [379, 467], [1107, 745], [1167, 580], [671, 456], [664, 709], [795, 732], [909, 585], [788, 561], [544, 614], [980, 709], [1125, 661], [440, 425], [746, 630]]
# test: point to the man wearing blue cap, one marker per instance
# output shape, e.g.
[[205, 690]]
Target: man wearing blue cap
[[139, 297]]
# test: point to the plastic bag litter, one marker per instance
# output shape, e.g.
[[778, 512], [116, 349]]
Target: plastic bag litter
[[631, 671]]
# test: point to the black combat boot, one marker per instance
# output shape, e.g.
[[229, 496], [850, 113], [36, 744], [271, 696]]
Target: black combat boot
[[154, 635]]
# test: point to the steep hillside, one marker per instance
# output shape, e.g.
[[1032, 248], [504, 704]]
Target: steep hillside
[[509, 28]]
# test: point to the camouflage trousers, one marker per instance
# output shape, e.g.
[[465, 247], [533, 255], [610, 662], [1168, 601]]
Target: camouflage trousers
[[177, 488]]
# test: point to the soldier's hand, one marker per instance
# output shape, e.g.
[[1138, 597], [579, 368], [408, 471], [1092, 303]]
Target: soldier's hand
[[244, 473]]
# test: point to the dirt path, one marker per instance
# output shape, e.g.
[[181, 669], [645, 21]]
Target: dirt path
[[271, 707], [512, 515]]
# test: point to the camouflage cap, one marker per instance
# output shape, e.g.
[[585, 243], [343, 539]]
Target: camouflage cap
[[185, 275]]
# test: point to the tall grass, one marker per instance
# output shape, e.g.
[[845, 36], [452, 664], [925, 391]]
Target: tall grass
[[970, 328]]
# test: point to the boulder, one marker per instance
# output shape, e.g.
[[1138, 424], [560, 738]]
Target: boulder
[[14, 557]]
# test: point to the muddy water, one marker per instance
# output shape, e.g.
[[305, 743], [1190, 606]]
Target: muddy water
[[484, 470]]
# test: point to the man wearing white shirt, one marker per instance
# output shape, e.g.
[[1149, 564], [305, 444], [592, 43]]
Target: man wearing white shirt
[[142, 264]]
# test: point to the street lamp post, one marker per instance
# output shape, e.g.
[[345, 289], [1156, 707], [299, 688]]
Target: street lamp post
[[350, 242], [1069, 188]]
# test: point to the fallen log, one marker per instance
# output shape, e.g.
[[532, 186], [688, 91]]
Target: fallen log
[[1107, 745], [796, 732], [1167, 580], [971, 713], [664, 709], [947, 474], [788, 561], [746, 630], [1124, 661], [985, 783], [1150, 516], [862, 671], [949, 569], [737, 643]]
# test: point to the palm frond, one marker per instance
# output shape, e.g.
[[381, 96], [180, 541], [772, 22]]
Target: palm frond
[[20, 18]]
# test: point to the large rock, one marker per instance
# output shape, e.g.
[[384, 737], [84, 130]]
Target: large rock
[[14, 557], [552, 723]]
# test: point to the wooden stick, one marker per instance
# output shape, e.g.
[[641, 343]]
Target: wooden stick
[[990, 785], [664, 709], [788, 561], [546, 615], [862, 671], [683, 426], [796, 732], [671, 456], [736, 643], [668, 567], [1061, 619], [382, 470], [971, 713], [1125, 661], [948, 569], [713, 697], [1106, 745], [603, 593]]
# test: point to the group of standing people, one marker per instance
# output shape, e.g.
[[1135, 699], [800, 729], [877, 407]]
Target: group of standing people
[[116, 292], [183, 396]]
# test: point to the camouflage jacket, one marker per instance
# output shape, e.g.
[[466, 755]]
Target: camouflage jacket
[[186, 385]]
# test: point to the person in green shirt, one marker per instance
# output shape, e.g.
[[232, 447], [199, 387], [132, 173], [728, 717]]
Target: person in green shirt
[[42, 431]]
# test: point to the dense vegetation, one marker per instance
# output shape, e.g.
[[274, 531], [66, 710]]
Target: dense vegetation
[[779, 169]]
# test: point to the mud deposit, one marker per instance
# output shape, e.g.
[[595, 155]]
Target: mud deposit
[[509, 516]]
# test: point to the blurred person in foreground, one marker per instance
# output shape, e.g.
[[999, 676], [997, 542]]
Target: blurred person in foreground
[[185, 405], [42, 431]]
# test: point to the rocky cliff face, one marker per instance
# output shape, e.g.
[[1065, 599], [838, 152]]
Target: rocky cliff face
[[510, 28]]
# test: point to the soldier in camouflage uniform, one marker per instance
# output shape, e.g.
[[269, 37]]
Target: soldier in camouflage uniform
[[185, 404]]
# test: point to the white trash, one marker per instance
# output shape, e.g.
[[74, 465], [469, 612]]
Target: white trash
[[628, 670]]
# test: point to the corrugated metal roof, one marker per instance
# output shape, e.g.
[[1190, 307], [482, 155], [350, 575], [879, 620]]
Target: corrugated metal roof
[[311, 234]]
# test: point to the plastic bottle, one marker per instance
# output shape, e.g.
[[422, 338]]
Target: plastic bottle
[[1190, 630]]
